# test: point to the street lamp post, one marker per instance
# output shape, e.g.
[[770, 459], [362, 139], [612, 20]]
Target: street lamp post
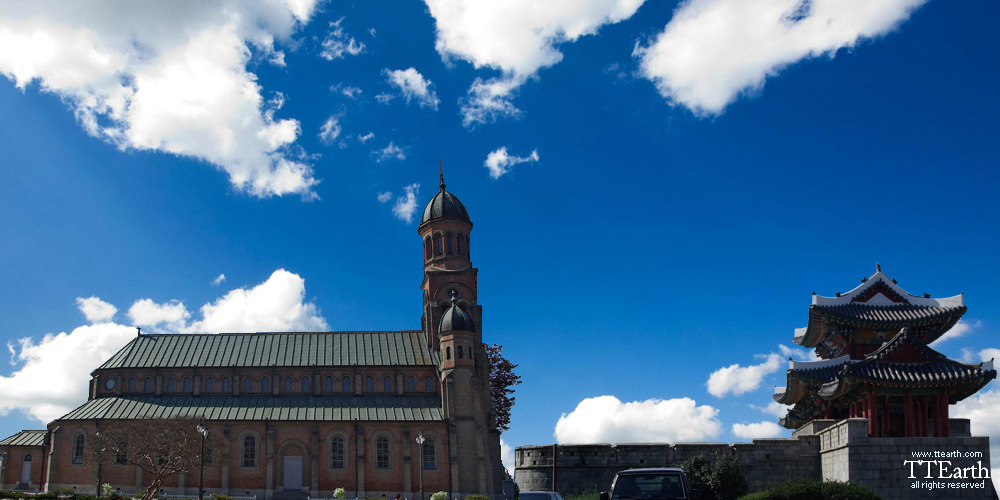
[[203, 430], [420, 467]]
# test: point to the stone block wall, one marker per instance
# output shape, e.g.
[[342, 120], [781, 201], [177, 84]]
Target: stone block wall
[[830, 450]]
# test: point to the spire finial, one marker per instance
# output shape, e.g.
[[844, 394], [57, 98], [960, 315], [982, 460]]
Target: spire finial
[[441, 169], [878, 267]]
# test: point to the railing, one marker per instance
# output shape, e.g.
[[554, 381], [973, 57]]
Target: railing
[[189, 497]]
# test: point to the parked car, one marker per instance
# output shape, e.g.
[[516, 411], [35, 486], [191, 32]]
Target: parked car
[[667, 483], [539, 495]]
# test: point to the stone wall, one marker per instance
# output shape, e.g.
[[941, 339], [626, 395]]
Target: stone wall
[[952, 467], [830, 450]]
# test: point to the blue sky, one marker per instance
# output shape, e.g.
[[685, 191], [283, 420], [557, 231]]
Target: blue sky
[[665, 192]]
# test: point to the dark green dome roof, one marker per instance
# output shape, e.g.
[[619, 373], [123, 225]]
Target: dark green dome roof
[[456, 319], [444, 204]]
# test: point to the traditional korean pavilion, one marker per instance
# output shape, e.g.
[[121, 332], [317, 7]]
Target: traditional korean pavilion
[[875, 362]]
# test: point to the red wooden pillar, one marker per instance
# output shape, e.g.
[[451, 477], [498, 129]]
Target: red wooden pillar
[[872, 414], [936, 415], [922, 410], [885, 417], [908, 415], [945, 431], [828, 412]]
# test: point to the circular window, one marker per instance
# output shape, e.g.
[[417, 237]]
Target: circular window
[[110, 384]]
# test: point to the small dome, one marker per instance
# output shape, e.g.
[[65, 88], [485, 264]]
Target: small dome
[[456, 319], [444, 204]]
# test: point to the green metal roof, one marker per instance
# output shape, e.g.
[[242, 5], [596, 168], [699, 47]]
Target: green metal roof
[[273, 350], [25, 438], [285, 408]]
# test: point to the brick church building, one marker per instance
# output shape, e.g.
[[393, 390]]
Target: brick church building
[[303, 412]]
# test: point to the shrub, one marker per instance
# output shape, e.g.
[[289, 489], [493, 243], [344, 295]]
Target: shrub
[[216, 496], [476, 497], [719, 480], [339, 493], [804, 489], [439, 496], [592, 494]]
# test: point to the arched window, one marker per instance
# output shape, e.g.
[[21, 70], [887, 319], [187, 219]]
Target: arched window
[[170, 385], [265, 385], [337, 453], [447, 244], [460, 241], [468, 246], [447, 352], [209, 384], [411, 384], [382, 453], [370, 384], [131, 385], [78, 446], [328, 384], [288, 384], [437, 244], [429, 454], [304, 386], [187, 384], [147, 385], [249, 452], [427, 248], [248, 384], [225, 384], [346, 384], [387, 384], [459, 352], [429, 384]]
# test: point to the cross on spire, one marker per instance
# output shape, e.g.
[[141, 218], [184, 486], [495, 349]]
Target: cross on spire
[[441, 169]]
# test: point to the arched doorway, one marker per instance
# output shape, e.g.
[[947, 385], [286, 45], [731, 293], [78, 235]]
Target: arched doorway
[[26, 469], [292, 466]]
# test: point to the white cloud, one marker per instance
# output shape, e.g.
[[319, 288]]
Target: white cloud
[[498, 162], [737, 380], [517, 37], [406, 205], [605, 419], [220, 279], [337, 43], [96, 310], [507, 456], [384, 196], [797, 353], [982, 410], [351, 92], [773, 408], [488, 100], [147, 313], [166, 77], [763, 429], [384, 98], [712, 51], [413, 85], [990, 353], [367, 137], [53, 374], [330, 130], [390, 152], [276, 305], [960, 329]]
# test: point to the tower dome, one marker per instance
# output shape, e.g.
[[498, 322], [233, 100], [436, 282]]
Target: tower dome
[[444, 204], [455, 319]]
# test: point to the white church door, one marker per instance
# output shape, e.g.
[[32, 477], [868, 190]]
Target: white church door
[[26, 469], [293, 474]]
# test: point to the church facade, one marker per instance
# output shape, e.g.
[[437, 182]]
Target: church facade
[[304, 412]]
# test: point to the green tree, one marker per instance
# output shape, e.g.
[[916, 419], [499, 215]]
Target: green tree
[[502, 382]]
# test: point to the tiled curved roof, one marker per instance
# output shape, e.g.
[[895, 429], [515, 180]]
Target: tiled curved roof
[[285, 408], [274, 350], [897, 315]]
